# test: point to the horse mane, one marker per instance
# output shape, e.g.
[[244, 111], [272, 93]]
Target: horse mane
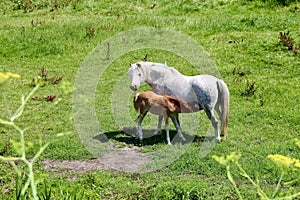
[[149, 65], [172, 69]]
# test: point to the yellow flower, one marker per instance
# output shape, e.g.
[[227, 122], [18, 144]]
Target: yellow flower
[[284, 160], [226, 160], [5, 76], [13, 75]]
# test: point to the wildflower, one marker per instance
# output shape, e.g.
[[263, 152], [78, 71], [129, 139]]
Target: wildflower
[[225, 160], [284, 160], [5, 76], [13, 75]]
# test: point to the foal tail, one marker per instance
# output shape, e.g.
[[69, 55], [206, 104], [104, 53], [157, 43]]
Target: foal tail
[[223, 105], [178, 105]]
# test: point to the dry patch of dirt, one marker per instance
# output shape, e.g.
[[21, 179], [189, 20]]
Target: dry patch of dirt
[[122, 159]]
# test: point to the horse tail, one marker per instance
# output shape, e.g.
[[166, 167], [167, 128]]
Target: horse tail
[[223, 103], [136, 102]]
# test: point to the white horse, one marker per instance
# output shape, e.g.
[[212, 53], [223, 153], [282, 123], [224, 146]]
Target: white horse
[[201, 92]]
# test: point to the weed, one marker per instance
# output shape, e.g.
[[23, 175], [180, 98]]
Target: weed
[[287, 41], [90, 32], [237, 70], [250, 89], [50, 98], [42, 79]]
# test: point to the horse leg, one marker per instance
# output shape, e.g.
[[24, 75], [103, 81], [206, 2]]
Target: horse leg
[[219, 112], [158, 129], [177, 120], [139, 129], [178, 127], [210, 114]]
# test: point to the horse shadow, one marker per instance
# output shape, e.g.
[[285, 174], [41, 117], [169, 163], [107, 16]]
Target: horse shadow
[[128, 136]]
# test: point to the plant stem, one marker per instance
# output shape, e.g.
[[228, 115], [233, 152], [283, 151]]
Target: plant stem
[[30, 181], [244, 173], [24, 100], [278, 185], [233, 182]]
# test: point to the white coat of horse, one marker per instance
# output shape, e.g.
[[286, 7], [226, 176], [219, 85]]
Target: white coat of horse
[[201, 92]]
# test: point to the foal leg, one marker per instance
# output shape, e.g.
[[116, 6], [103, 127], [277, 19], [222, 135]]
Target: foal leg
[[167, 130], [139, 128], [210, 114], [178, 127], [158, 129]]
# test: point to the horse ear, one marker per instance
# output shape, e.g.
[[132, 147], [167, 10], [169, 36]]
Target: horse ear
[[145, 58]]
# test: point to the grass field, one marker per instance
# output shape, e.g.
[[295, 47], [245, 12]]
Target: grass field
[[242, 40]]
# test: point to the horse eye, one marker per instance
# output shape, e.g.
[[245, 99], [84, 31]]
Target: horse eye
[[138, 64], [139, 74]]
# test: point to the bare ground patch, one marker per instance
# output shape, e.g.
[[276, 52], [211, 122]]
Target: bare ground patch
[[122, 159]]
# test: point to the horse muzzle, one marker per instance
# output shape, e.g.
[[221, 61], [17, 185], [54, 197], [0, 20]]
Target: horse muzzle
[[133, 87]]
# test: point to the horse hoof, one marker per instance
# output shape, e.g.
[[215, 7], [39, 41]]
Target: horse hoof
[[140, 139], [218, 139]]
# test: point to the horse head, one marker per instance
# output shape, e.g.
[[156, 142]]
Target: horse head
[[135, 74]]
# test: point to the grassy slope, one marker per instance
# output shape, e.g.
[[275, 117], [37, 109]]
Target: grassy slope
[[58, 41]]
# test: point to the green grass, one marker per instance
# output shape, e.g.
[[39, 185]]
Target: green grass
[[244, 36]]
